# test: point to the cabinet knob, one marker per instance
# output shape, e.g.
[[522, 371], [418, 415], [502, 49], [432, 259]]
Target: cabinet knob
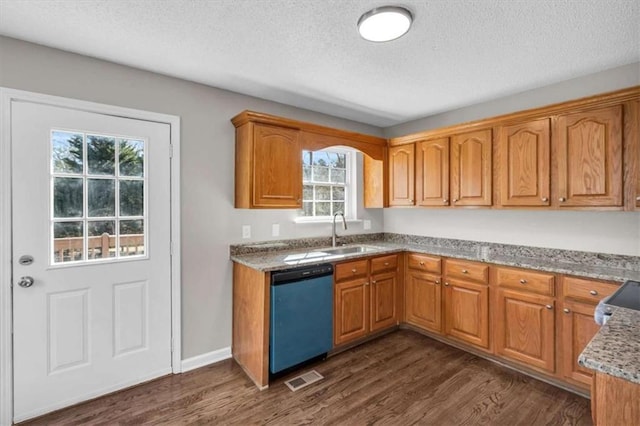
[[411, 201], [549, 307], [367, 283], [638, 198], [566, 310], [373, 282], [354, 270], [386, 263], [446, 284], [523, 281], [593, 293], [464, 271], [437, 281], [446, 200], [421, 263], [544, 199], [455, 200], [562, 199]]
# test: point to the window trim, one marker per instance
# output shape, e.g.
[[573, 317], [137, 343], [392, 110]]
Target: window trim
[[351, 190]]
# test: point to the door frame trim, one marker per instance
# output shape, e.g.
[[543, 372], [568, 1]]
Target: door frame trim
[[7, 96]]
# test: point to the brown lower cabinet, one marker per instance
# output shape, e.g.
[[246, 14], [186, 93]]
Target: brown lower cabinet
[[466, 302], [365, 298], [423, 292]]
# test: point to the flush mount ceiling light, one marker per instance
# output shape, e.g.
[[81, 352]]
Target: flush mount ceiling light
[[385, 23]]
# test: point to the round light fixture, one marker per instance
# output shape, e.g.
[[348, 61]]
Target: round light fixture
[[385, 23]]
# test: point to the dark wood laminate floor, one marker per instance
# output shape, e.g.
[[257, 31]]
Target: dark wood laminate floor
[[403, 378]]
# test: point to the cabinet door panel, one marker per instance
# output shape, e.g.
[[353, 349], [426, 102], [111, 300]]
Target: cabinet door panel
[[524, 163], [423, 301], [432, 173], [277, 165], [351, 306], [578, 328], [589, 155], [401, 175], [526, 329], [383, 311], [471, 169], [467, 312]]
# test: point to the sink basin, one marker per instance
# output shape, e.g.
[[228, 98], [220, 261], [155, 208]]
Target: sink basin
[[350, 250]]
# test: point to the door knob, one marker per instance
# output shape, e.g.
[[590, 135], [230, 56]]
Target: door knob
[[25, 282]]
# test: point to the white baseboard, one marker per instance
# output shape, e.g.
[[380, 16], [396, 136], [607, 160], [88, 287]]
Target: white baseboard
[[205, 359]]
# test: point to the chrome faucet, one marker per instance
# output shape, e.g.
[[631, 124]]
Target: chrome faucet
[[333, 234]]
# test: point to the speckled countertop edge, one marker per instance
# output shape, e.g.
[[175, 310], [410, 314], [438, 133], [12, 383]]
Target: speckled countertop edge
[[272, 260], [615, 349]]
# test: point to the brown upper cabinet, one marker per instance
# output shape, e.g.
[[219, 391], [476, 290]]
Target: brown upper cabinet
[[471, 170], [401, 175], [524, 164], [432, 172], [268, 168], [589, 158]]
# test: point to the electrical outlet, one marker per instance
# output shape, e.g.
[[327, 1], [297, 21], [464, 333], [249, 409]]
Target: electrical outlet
[[275, 230], [366, 224], [246, 231]]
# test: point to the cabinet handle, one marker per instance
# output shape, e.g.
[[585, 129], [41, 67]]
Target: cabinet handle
[[421, 263], [367, 283], [373, 282], [562, 199], [437, 282], [455, 200], [523, 281], [544, 199], [464, 271], [593, 293], [566, 310], [386, 263], [549, 307], [638, 198], [411, 201], [354, 270], [446, 284], [446, 200]]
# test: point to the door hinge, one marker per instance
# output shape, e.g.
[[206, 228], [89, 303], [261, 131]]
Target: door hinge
[[171, 248], [170, 150]]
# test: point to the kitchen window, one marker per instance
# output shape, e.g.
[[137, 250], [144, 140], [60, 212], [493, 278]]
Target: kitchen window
[[326, 180]]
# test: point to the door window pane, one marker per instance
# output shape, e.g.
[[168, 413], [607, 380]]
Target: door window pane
[[67, 197], [101, 197], [131, 198], [102, 239], [101, 155], [67, 152], [131, 237], [68, 241], [131, 157]]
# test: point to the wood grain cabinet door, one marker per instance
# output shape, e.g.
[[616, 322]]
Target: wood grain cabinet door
[[471, 169], [578, 328], [525, 329], [589, 158], [277, 167], [467, 312], [402, 175], [524, 172], [351, 310], [383, 311], [432, 172], [423, 301]]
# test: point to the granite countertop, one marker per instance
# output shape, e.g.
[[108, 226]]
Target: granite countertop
[[615, 349], [280, 256]]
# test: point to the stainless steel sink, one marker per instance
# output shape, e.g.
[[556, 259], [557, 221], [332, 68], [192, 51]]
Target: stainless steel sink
[[349, 250]]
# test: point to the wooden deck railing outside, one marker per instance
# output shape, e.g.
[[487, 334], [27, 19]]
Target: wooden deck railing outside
[[99, 247]]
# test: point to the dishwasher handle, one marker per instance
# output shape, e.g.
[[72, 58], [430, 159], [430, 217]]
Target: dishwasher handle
[[300, 274]]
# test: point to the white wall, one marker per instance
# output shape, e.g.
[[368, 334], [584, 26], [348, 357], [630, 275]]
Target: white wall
[[607, 232], [209, 221]]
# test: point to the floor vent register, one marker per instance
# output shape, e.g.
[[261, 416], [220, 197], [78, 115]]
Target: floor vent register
[[303, 380]]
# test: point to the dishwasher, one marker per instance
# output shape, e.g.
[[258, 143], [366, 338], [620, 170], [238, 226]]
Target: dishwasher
[[301, 316]]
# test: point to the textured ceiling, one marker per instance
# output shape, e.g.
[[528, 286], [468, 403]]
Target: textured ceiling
[[307, 53]]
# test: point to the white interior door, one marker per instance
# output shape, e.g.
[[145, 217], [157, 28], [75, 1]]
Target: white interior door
[[91, 255]]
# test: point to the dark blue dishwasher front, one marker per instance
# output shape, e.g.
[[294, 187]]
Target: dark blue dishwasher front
[[301, 316]]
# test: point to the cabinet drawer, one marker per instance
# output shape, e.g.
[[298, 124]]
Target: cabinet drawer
[[425, 263], [384, 263], [587, 290], [349, 270], [526, 280], [467, 270]]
